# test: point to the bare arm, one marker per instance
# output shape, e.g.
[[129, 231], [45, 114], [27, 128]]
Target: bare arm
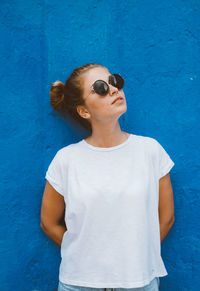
[[166, 206], [52, 214]]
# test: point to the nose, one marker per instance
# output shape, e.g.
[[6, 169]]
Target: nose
[[112, 89]]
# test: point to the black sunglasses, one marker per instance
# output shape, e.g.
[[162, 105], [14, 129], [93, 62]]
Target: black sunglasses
[[102, 88]]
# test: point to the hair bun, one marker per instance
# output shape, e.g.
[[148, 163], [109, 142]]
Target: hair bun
[[57, 95]]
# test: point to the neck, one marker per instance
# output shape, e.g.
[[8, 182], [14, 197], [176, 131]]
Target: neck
[[107, 136]]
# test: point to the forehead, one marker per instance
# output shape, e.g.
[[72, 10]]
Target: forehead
[[95, 74]]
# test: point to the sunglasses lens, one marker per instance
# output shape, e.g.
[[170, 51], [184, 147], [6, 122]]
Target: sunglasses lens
[[118, 82], [100, 87]]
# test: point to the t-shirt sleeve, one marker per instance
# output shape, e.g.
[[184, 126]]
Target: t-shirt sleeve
[[165, 163], [54, 174]]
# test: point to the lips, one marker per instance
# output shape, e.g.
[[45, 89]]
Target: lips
[[117, 98]]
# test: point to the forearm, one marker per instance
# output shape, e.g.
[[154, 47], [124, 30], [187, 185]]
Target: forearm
[[164, 229], [55, 233]]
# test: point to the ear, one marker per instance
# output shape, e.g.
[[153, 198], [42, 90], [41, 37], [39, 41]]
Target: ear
[[83, 112]]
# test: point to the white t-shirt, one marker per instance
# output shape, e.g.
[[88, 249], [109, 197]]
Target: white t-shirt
[[111, 195]]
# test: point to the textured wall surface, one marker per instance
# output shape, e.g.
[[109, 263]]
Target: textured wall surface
[[155, 45]]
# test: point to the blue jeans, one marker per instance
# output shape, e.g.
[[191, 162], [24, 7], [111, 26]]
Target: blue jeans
[[152, 286]]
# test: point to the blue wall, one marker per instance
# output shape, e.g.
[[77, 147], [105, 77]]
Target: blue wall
[[155, 46]]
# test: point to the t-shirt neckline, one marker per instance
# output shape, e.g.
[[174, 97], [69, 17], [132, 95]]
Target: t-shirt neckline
[[107, 148]]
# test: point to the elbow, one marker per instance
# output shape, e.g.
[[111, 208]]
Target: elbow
[[43, 226], [172, 219], [169, 221]]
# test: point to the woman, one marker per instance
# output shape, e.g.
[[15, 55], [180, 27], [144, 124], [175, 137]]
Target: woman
[[108, 199]]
